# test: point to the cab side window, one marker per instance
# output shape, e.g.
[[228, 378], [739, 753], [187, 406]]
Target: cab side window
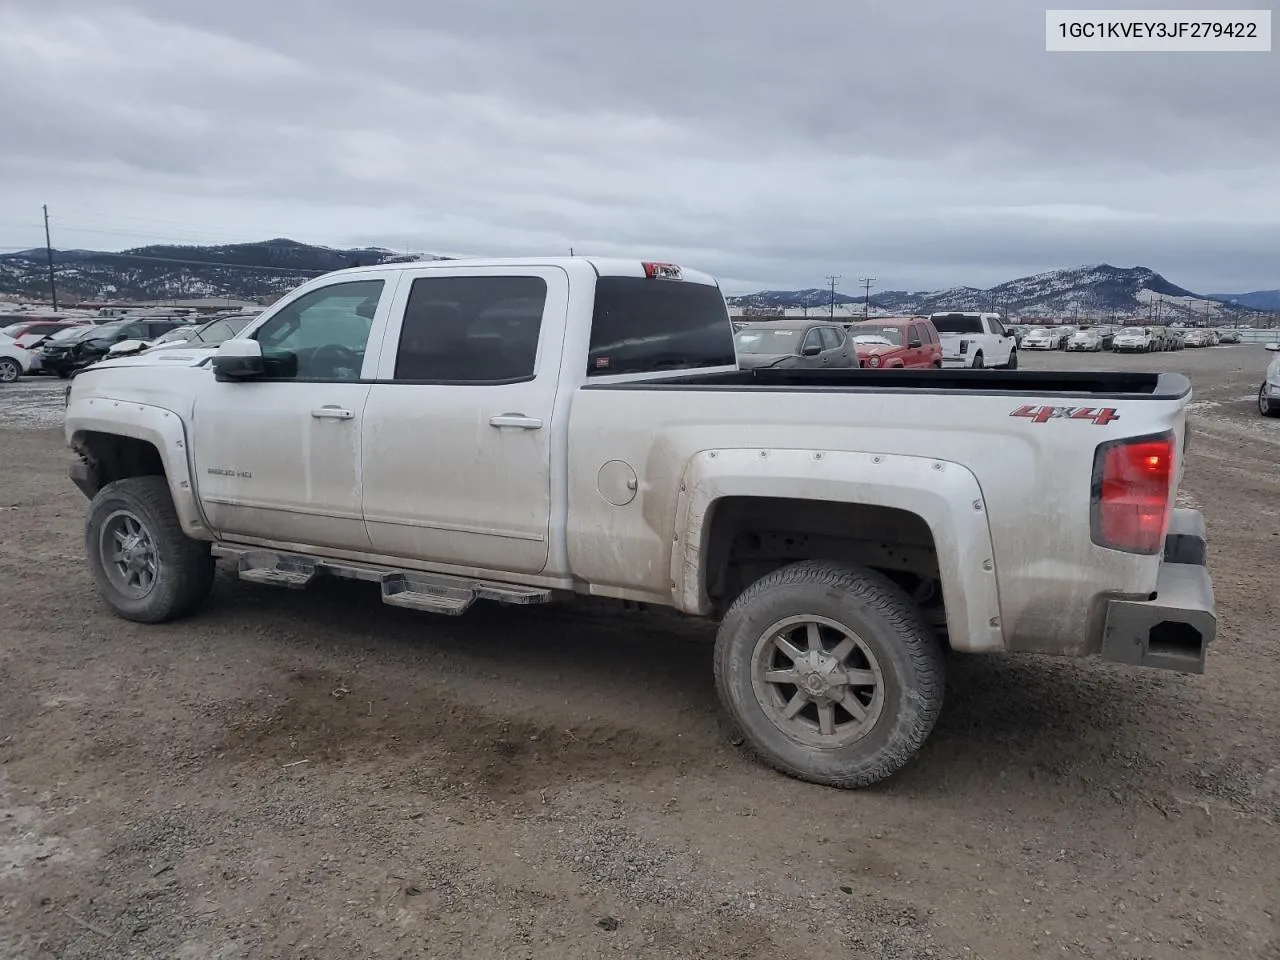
[[471, 330], [323, 334]]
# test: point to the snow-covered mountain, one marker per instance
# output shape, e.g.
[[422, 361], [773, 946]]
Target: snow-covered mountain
[[1098, 291], [239, 271], [1257, 300]]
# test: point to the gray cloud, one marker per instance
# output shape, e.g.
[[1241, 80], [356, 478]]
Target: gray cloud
[[928, 143]]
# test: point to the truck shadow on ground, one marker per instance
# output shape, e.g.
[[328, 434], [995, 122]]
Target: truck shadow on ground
[[635, 693]]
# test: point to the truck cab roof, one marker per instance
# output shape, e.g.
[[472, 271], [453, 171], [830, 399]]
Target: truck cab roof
[[602, 266]]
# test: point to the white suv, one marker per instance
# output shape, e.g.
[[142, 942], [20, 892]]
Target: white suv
[[975, 340]]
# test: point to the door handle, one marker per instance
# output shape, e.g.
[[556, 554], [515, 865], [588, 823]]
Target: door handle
[[331, 413], [518, 420]]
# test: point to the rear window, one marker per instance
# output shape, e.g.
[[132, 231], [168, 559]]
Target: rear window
[[643, 326], [956, 323]]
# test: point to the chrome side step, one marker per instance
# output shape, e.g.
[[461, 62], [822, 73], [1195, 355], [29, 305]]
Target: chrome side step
[[414, 590]]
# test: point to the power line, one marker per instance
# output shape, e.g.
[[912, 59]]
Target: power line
[[211, 263], [94, 254], [833, 280]]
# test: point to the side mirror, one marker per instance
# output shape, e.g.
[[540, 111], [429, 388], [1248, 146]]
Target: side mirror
[[812, 350], [1273, 347], [238, 360]]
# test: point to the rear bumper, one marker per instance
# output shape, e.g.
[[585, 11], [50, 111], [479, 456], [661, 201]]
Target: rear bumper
[[1173, 630]]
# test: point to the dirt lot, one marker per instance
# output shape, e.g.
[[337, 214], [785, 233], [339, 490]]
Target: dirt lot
[[316, 775]]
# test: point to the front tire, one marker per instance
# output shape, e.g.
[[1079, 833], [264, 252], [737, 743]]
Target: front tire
[[1266, 406], [1013, 360], [830, 673], [144, 566], [9, 370]]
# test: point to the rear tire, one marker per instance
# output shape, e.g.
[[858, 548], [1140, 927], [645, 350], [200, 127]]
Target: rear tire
[[830, 673], [10, 370], [977, 361], [144, 566]]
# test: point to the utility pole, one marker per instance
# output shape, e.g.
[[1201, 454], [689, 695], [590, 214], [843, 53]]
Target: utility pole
[[833, 281], [48, 249], [866, 303]]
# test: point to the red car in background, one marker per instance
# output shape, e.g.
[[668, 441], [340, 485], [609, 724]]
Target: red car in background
[[897, 342]]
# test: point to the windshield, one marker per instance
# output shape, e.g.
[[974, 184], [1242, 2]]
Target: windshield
[[882, 335], [769, 341], [1133, 332], [956, 323], [178, 333], [106, 331], [221, 330]]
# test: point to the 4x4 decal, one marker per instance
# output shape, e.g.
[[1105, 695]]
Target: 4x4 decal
[[1100, 416]]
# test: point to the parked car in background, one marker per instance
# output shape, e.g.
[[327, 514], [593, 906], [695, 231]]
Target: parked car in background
[[975, 340], [32, 334], [14, 360], [793, 343], [1269, 392], [208, 334], [1089, 340], [896, 343], [65, 357], [1197, 338], [1133, 340], [1045, 338], [1229, 336]]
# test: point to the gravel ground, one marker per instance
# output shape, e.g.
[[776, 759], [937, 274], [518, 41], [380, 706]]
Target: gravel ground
[[316, 775]]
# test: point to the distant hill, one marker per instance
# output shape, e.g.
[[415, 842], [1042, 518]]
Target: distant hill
[[813, 297], [248, 271], [1098, 290], [1258, 300]]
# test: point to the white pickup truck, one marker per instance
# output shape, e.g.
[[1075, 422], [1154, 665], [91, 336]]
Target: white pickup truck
[[526, 431], [975, 340]]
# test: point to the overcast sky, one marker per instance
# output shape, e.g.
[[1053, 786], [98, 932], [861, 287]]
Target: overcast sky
[[927, 143]]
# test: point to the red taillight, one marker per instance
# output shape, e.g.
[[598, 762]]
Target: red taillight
[[662, 271], [1132, 480]]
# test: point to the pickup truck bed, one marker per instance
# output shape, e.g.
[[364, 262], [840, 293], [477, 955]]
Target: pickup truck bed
[[526, 431], [1094, 385]]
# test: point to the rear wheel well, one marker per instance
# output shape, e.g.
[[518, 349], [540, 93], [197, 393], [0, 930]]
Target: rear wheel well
[[110, 457], [750, 537]]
